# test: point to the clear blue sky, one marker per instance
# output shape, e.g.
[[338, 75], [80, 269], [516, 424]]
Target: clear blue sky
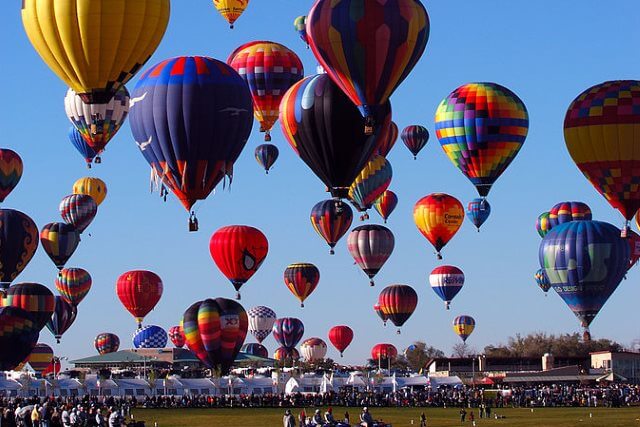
[[545, 51]]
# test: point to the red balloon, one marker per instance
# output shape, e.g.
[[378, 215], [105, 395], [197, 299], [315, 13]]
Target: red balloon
[[238, 251], [341, 336], [139, 291], [53, 368], [384, 351], [176, 335], [387, 141]]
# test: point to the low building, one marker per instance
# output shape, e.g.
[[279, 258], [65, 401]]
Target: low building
[[563, 375], [621, 365]]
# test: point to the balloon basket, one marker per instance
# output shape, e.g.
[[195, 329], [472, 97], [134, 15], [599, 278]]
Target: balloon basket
[[97, 160]]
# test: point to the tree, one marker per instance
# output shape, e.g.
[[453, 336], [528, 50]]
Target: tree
[[538, 343], [419, 354], [463, 350]]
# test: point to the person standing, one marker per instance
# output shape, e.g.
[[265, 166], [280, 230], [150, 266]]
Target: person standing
[[99, 419], [288, 420], [472, 418], [302, 417], [66, 417], [463, 415], [35, 416], [423, 420]]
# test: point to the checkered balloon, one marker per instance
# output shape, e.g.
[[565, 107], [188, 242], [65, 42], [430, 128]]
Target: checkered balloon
[[150, 336]]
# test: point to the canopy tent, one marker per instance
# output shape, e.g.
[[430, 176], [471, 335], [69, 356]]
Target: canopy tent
[[453, 381]]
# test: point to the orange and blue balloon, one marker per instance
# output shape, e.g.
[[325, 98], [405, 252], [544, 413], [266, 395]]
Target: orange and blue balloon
[[301, 279], [80, 144], [331, 219], [542, 281]]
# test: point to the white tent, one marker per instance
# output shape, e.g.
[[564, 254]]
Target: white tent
[[292, 386], [194, 386], [131, 387], [357, 381], [415, 381], [34, 387], [103, 387], [68, 387], [9, 387], [453, 380], [260, 385], [326, 385]]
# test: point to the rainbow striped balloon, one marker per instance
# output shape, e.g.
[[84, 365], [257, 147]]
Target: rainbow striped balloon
[[73, 284]]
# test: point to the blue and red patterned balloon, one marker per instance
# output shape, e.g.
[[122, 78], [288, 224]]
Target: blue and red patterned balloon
[[288, 331], [478, 211]]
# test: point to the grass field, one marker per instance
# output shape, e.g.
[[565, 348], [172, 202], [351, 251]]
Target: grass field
[[436, 417]]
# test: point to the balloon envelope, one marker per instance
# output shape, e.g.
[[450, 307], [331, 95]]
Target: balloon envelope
[[10, 171], [34, 298], [370, 246], [569, 211], [398, 303], [446, 281], [73, 284], [463, 326], [139, 291], [384, 351], [301, 279], [41, 357], [150, 336], [106, 342], [288, 331], [341, 336], [255, 349], [78, 210], [18, 336], [438, 217], [176, 335], [261, 320], [63, 317], [19, 241], [478, 211], [331, 219], [313, 349], [415, 138]]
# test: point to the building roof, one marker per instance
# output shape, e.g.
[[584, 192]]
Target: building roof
[[164, 355], [563, 374]]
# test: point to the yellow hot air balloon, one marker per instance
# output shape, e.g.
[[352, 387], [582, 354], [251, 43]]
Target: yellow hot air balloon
[[231, 9], [94, 187], [95, 46]]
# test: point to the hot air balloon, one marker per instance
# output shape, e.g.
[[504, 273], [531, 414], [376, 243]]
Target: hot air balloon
[[266, 156], [150, 336], [63, 317], [10, 171], [301, 279], [261, 320], [85, 150], [18, 336], [94, 187], [370, 246], [231, 9], [569, 211], [368, 48], [78, 210], [95, 46], [97, 123], [386, 204], [283, 354], [176, 335], [34, 298], [446, 281], [331, 219], [255, 349], [481, 127], [313, 349], [463, 326], [600, 130], [438, 216], [409, 350], [341, 336], [325, 129], [139, 291], [300, 25], [415, 138], [542, 281], [288, 331], [398, 302], [238, 251], [191, 119], [384, 352], [584, 261], [633, 239], [19, 241], [53, 368], [106, 342], [543, 225], [269, 69], [371, 183], [40, 358], [73, 284], [215, 330], [59, 241], [478, 211], [387, 141], [380, 312]]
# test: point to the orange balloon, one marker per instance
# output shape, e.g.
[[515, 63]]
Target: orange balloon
[[438, 216]]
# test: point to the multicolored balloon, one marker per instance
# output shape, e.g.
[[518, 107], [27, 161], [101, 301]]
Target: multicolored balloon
[[269, 69], [63, 317], [261, 320], [85, 150], [543, 224], [446, 281], [368, 48], [301, 279], [415, 138], [73, 284], [398, 303], [584, 261], [542, 281], [97, 123], [40, 358], [139, 291], [386, 204], [371, 183], [600, 130], [633, 239], [176, 335], [113, 45], [18, 336], [238, 251], [215, 330], [231, 9], [384, 352], [463, 326], [266, 156], [569, 211], [19, 241], [387, 141], [78, 210], [34, 298], [478, 211], [313, 349], [284, 354], [94, 187], [255, 349], [300, 25], [341, 336], [370, 246], [150, 336], [331, 219], [288, 331], [438, 217], [380, 312], [10, 172], [481, 127], [106, 342], [214, 100], [59, 241], [325, 129]]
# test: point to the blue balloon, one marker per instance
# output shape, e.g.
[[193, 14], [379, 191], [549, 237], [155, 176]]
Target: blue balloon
[[584, 261], [255, 349], [150, 336], [266, 156], [478, 210], [81, 145]]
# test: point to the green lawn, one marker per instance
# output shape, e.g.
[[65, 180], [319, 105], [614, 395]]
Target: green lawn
[[436, 417]]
